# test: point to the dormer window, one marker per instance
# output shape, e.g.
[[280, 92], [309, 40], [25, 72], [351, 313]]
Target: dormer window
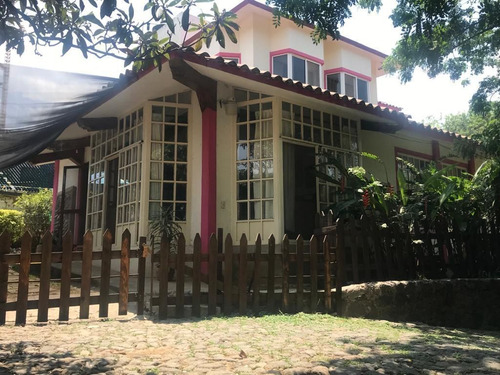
[[347, 84], [297, 66]]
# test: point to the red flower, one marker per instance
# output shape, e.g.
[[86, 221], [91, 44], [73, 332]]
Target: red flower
[[366, 198]]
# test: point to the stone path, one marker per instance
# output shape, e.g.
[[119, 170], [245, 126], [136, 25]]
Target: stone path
[[279, 344]]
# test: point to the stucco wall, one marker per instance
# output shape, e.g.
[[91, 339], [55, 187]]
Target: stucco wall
[[7, 201], [465, 303]]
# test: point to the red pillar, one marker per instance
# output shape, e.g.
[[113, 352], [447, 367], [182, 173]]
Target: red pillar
[[208, 178], [55, 187]]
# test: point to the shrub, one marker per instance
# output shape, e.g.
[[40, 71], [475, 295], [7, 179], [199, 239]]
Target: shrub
[[12, 222], [36, 209]]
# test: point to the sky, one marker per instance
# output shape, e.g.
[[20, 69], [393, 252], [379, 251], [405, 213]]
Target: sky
[[422, 98]]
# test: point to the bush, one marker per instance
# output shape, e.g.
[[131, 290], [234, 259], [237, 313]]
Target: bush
[[12, 222], [36, 209]]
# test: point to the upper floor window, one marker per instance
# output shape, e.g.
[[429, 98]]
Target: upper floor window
[[297, 68], [347, 84]]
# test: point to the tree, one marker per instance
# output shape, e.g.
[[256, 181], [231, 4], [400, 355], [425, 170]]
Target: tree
[[37, 210], [115, 30]]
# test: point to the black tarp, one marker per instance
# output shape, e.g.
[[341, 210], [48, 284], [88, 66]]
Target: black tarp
[[39, 104]]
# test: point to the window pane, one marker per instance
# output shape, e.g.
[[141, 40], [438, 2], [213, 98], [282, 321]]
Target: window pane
[[180, 211], [242, 191], [298, 69], [243, 211], [333, 82], [154, 191], [255, 210], [350, 82], [168, 192], [362, 90], [280, 65], [180, 192], [312, 73], [182, 134]]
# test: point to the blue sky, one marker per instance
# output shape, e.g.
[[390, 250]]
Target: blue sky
[[421, 98]]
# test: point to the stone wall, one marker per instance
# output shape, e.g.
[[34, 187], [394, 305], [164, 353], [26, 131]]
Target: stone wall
[[465, 303]]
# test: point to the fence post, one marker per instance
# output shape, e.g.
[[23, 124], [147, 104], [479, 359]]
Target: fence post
[[141, 276], [212, 275], [44, 292], [286, 273], [256, 273], [107, 239], [328, 275], [340, 271], [220, 247], [124, 273], [88, 240], [314, 272], [196, 306], [271, 244], [300, 273], [164, 267], [23, 286], [365, 232], [66, 276], [179, 276], [228, 274], [5, 242], [242, 275]]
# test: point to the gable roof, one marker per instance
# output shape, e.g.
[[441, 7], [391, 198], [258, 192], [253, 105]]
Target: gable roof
[[26, 177]]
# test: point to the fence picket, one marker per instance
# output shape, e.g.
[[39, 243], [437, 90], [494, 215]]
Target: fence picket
[[314, 272], [256, 273], [228, 274], [164, 268], [23, 285], [196, 304], [88, 240], [286, 274], [242, 275], [353, 241], [271, 244], [212, 275], [366, 250], [124, 273], [107, 240], [300, 273], [5, 241], [179, 276], [43, 293], [67, 244], [141, 272]]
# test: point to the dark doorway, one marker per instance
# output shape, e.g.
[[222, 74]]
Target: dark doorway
[[111, 189], [299, 190]]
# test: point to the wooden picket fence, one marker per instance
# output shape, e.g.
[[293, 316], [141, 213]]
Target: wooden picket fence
[[294, 276], [66, 258], [254, 278]]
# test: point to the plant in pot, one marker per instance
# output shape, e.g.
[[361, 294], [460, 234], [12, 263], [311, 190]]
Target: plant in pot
[[164, 226]]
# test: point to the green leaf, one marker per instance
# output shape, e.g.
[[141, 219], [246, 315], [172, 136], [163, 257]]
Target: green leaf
[[92, 18], [219, 35], [94, 4], [170, 23], [230, 33], [130, 12], [67, 43], [107, 7], [402, 185], [450, 189], [185, 19], [149, 5]]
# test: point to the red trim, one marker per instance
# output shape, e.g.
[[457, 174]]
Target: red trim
[[421, 155], [348, 71], [229, 55], [436, 153], [55, 187], [471, 166], [208, 178], [456, 163]]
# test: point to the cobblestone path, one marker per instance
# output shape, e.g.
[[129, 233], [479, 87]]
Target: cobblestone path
[[279, 344]]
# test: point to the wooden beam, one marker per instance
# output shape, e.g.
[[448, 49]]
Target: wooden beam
[[75, 155], [382, 127], [70, 144], [205, 87], [97, 123]]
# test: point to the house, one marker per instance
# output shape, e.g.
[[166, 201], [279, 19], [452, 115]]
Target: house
[[226, 145]]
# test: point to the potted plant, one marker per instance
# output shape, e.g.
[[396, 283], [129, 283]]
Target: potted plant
[[165, 226]]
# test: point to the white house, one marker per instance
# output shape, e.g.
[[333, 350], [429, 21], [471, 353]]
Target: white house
[[230, 146]]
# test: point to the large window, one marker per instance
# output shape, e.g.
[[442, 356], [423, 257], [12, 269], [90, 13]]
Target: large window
[[347, 84], [169, 157], [335, 134], [254, 157], [298, 68]]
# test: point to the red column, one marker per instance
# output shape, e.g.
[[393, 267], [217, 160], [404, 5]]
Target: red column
[[55, 187], [208, 178]]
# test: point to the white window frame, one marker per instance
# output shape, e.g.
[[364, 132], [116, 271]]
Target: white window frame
[[289, 63], [343, 87]]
